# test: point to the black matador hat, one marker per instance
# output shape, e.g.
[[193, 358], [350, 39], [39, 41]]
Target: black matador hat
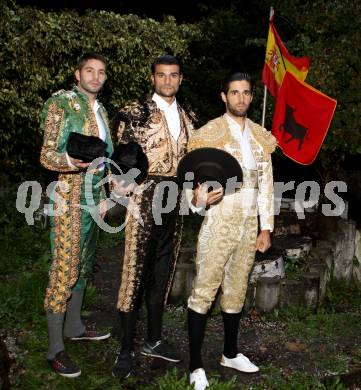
[[85, 147], [128, 156], [209, 164]]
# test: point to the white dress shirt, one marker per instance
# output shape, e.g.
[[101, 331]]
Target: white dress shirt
[[171, 114], [243, 138], [248, 160], [100, 122]]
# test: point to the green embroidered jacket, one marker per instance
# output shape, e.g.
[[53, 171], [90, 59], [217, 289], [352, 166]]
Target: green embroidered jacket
[[64, 112]]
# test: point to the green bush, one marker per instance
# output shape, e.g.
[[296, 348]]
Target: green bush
[[39, 51]]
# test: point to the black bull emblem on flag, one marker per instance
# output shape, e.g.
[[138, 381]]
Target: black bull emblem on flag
[[290, 126]]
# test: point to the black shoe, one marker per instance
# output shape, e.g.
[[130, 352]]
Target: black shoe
[[63, 366], [161, 350], [124, 364]]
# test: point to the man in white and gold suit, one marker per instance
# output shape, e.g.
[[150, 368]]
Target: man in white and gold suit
[[229, 236], [162, 128]]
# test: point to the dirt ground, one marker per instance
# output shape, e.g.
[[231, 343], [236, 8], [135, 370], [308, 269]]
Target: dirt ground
[[265, 342]]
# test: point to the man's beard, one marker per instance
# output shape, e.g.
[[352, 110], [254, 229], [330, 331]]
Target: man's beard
[[89, 89], [169, 92], [239, 113]]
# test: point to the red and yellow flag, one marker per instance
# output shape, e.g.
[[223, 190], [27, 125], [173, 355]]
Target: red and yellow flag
[[301, 119], [278, 60]]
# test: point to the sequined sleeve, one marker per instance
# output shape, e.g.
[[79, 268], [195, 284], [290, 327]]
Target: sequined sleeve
[[123, 126], [52, 121]]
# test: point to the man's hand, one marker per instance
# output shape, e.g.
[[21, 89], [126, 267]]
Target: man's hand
[[120, 189], [203, 198], [79, 163], [263, 241], [102, 208]]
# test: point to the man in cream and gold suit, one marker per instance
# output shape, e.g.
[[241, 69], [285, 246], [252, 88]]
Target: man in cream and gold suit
[[229, 237], [78, 195], [162, 128]]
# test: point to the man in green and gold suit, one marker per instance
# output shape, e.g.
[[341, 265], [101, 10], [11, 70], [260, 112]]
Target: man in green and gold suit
[[229, 236], [75, 199]]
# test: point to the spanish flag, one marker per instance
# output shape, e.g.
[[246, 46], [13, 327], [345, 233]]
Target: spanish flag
[[278, 61], [301, 119]]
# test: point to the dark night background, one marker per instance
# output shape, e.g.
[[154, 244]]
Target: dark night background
[[228, 51], [184, 11]]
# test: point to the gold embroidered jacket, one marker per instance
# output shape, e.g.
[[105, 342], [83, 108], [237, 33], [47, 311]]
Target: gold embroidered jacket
[[147, 125], [216, 134], [64, 112]]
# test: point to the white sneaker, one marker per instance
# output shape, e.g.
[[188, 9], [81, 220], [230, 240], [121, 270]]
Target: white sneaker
[[199, 379], [240, 363]]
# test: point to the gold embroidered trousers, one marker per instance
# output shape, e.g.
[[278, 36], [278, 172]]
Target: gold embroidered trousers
[[225, 252], [73, 238]]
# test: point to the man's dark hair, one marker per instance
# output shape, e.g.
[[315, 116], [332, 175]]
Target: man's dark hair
[[166, 60], [90, 56], [237, 76]]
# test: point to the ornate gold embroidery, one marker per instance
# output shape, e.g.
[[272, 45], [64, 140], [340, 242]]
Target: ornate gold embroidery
[[75, 211], [66, 258], [137, 238], [225, 254], [49, 158], [226, 244], [120, 130], [264, 137], [214, 134], [147, 125], [93, 127], [129, 273]]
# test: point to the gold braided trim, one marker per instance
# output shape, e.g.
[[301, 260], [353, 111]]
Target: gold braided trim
[[182, 141], [66, 258], [177, 237], [54, 122], [216, 134], [75, 229], [90, 126], [129, 272]]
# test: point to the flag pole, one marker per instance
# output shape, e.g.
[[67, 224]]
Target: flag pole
[[271, 12]]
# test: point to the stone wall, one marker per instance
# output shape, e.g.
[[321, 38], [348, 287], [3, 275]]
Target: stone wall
[[324, 249]]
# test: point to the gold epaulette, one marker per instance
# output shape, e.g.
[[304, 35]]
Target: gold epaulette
[[264, 137], [214, 134], [70, 95]]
